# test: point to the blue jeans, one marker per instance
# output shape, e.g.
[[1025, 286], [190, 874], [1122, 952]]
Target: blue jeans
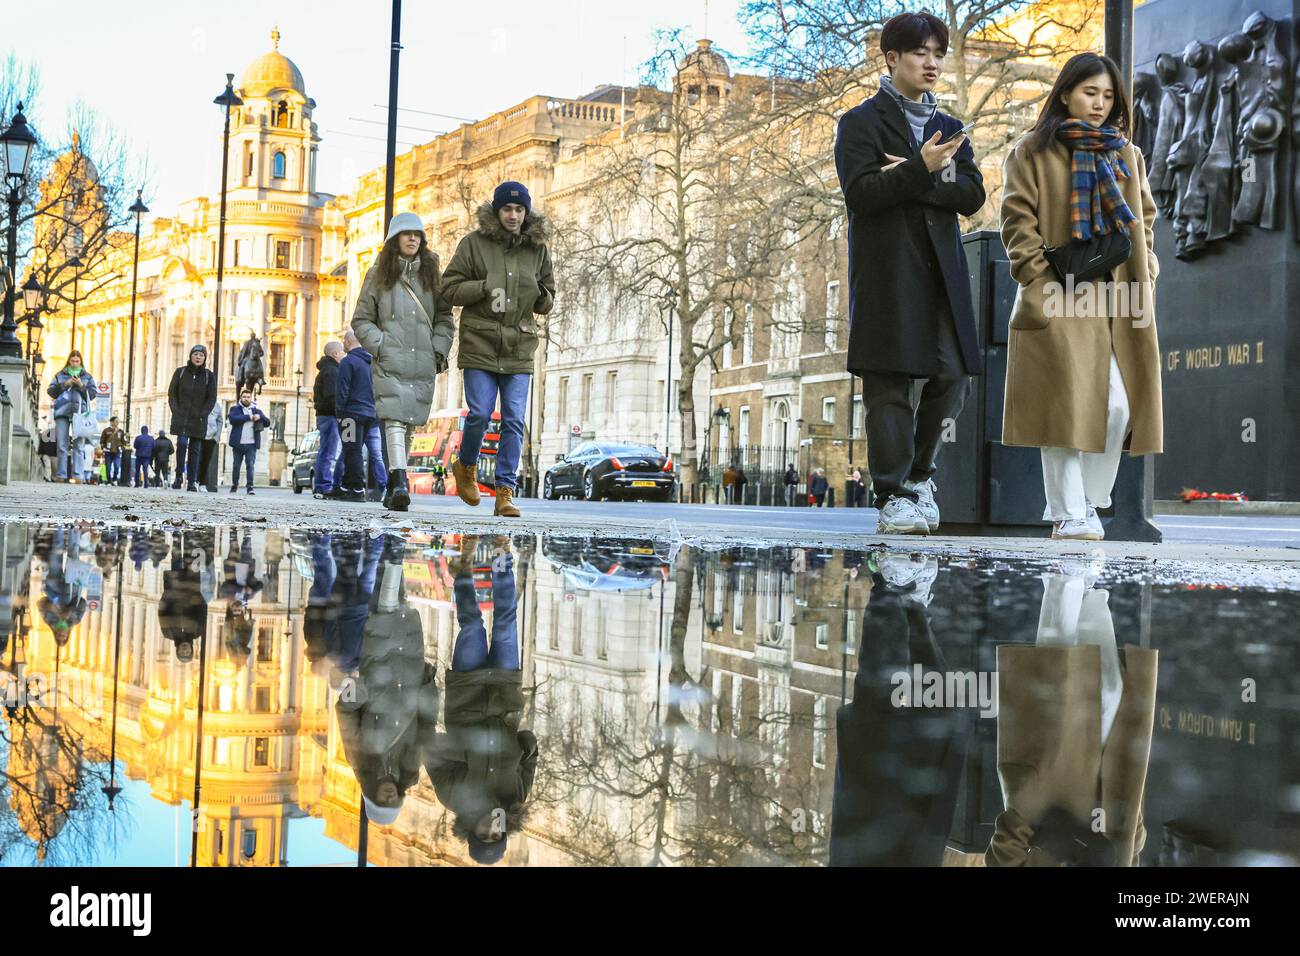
[[141, 472], [354, 478], [327, 456], [240, 454], [471, 651], [375, 447], [481, 390], [63, 437], [113, 466]]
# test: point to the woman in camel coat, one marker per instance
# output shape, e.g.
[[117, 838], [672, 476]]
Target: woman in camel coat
[[1083, 368]]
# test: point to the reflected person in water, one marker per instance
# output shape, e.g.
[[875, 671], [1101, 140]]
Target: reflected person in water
[[1074, 734], [239, 586], [388, 701], [67, 577], [482, 767], [187, 590]]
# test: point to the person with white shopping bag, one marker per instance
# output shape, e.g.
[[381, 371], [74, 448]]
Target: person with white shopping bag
[[73, 390]]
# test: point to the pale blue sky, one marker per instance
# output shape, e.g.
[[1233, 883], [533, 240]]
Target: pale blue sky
[[154, 67]]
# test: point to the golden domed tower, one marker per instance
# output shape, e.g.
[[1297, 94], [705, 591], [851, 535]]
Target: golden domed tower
[[272, 137]]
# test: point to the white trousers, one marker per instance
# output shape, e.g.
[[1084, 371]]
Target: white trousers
[[1074, 479], [1075, 615]]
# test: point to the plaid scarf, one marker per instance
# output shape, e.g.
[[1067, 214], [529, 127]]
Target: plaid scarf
[[1096, 204]]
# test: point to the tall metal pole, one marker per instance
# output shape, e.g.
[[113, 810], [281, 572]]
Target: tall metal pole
[[112, 790], [668, 391], [76, 279], [139, 208], [390, 156], [198, 729]]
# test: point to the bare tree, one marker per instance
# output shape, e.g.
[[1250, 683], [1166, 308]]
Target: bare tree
[[689, 217]]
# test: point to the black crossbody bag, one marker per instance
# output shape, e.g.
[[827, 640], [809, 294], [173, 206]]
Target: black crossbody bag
[[1088, 259]]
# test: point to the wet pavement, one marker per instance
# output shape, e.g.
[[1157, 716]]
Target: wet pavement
[[426, 699]]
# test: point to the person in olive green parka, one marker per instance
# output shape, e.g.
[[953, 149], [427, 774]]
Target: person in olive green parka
[[501, 278]]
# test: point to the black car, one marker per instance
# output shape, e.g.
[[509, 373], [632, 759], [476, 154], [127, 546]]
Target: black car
[[596, 470]]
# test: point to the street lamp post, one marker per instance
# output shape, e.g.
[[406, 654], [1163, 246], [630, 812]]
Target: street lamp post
[[31, 300], [297, 413], [17, 141], [227, 98], [670, 301], [76, 264], [138, 208]]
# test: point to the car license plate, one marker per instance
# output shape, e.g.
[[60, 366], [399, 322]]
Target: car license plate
[[643, 484]]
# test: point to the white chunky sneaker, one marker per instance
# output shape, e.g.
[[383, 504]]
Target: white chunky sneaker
[[916, 573], [1074, 529], [1094, 521], [925, 502], [900, 516]]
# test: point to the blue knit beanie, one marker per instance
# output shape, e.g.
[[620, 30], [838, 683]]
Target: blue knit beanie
[[509, 192]]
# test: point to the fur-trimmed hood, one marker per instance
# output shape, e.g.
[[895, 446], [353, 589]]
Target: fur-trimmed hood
[[535, 232]]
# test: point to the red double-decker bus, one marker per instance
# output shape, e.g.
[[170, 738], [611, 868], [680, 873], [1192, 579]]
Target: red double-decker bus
[[435, 447]]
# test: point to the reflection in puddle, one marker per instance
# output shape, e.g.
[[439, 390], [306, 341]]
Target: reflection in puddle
[[325, 698]]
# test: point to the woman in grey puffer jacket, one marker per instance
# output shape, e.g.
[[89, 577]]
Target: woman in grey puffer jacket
[[402, 320]]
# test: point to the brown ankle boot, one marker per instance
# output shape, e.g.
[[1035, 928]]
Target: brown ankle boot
[[505, 503], [466, 483]]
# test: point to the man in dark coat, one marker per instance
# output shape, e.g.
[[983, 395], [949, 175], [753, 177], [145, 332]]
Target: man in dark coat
[[907, 171], [192, 395], [327, 423], [162, 458], [143, 446]]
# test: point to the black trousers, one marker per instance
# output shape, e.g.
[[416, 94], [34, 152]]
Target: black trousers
[[188, 452], [904, 435]]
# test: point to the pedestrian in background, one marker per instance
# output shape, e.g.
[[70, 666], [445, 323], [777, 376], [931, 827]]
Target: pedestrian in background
[[211, 441], [405, 329], [741, 480], [191, 396], [819, 486], [728, 483], [111, 441], [859, 489], [72, 390], [246, 424], [327, 424], [354, 404], [143, 446], [501, 276], [162, 457], [791, 480]]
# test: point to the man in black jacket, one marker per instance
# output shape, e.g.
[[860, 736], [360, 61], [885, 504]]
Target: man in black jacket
[[907, 171], [192, 395], [327, 423]]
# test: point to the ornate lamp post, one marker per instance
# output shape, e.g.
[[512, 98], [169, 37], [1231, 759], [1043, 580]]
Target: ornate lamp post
[[17, 143], [31, 299], [76, 264], [227, 98]]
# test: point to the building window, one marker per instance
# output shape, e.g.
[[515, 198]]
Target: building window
[[819, 732], [277, 420], [276, 366], [823, 636], [234, 249], [828, 410], [248, 167], [747, 337], [586, 398], [281, 255], [261, 751], [742, 436], [611, 389], [728, 319], [261, 700], [277, 166], [832, 316], [279, 304], [859, 417], [564, 398], [282, 115]]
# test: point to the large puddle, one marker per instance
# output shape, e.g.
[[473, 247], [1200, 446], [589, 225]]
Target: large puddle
[[426, 700]]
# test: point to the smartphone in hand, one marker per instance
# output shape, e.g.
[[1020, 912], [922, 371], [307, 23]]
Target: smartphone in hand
[[965, 129]]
